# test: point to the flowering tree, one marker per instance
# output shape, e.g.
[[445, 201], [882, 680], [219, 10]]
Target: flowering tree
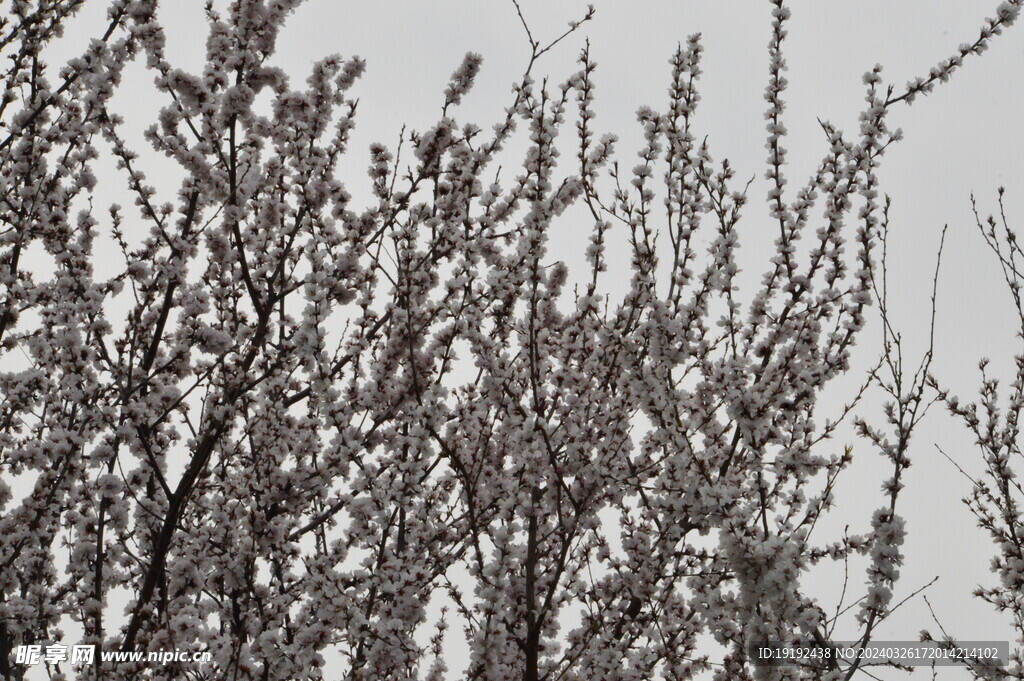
[[994, 421], [282, 425]]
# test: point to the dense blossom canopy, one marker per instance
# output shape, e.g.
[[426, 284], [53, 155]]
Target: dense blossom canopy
[[326, 440]]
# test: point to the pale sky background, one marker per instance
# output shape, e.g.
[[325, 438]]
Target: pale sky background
[[965, 137]]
